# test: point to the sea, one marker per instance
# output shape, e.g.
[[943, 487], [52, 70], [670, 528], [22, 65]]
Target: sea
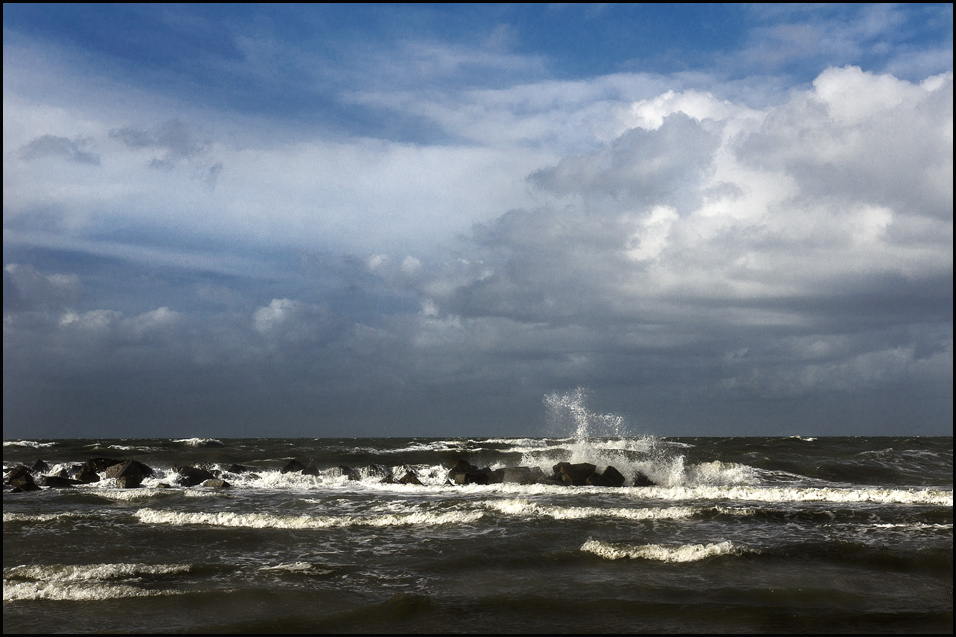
[[737, 534]]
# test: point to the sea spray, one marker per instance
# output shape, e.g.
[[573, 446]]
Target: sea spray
[[606, 439], [601, 439]]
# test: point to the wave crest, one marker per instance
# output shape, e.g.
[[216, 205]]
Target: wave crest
[[658, 552]]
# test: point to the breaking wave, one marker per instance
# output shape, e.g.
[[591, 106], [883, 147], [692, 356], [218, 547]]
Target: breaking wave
[[87, 582], [660, 553], [523, 508], [266, 520]]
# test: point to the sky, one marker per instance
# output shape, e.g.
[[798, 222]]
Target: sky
[[435, 220]]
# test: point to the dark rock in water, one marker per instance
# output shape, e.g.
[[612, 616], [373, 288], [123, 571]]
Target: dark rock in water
[[128, 482], [128, 468], [98, 465], [410, 478], [86, 474], [519, 475], [574, 474], [20, 479], [641, 480], [191, 476], [378, 471], [458, 472], [311, 470], [238, 468], [40, 467], [129, 474], [59, 482], [294, 466], [611, 477], [482, 476], [216, 483], [463, 473], [351, 473]]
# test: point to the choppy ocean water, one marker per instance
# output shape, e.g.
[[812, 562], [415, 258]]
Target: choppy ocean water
[[737, 535]]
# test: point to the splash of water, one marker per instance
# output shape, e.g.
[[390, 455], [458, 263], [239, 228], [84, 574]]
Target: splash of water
[[606, 439], [568, 413], [601, 439]]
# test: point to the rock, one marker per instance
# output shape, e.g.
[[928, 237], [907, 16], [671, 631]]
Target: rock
[[129, 474], [293, 466], [521, 475], [98, 465], [611, 477], [574, 474], [40, 467], [20, 479], [129, 482], [641, 480], [377, 471], [216, 483], [463, 473], [410, 478], [59, 482], [86, 474], [349, 472], [191, 476], [311, 470]]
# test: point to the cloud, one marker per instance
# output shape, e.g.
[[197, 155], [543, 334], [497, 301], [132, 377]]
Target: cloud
[[174, 138], [825, 216], [487, 231], [25, 289], [53, 146]]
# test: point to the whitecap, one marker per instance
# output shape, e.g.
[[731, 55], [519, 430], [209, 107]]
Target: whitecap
[[659, 552], [28, 443], [200, 442], [524, 508], [82, 582], [266, 520]]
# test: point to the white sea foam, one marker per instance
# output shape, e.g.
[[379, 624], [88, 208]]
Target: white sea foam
[[84, 582], [140, 448], [107, 489], [200, 442], [42, 517], [524, 508], [266, 520], [305, 568], [874, 495], [682, 553], [28, 443]]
